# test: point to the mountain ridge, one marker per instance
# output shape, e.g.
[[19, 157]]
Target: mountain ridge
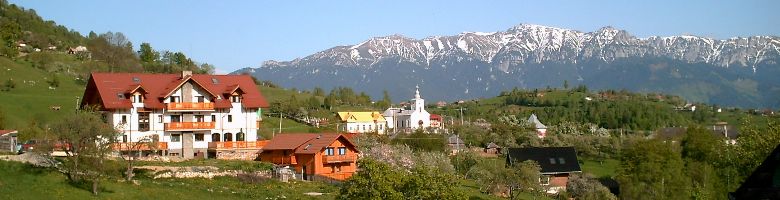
[[512, 58]]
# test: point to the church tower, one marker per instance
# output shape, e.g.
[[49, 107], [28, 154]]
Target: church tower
[[419, 103]]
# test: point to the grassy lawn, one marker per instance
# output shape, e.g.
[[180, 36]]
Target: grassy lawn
[[32, 98], [245, 165], [606, 168], [21, 181]]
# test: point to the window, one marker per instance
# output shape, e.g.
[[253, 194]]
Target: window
[[175, 99], [200, 99], [215, 137], [175, 118], [159, 119], [175, 138], [552, 161], [199, 118], [380, 127], [138, 98], [143, 121], [561, 161], [329, 151], [342, 150], [199, 137], [544, 180], [124, 119], [240, 136], [369, 128], [364, 127], [228, 137], [213, 118], [235, 99], [230, 118], [124, 138]]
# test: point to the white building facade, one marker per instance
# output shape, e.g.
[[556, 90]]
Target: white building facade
[[186, 116], [414, 118]]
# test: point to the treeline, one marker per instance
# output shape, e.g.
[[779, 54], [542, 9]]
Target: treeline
[[19, 24], [46, 43], [700, 166], [609, 109], [321, 104]]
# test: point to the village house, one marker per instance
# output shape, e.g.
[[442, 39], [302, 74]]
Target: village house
[[189, 115], [556, 163], [405, 120], [541, 129], [492, 148], [8, 141], [436, 121], [362, 122], [313, 156], [455, 144]]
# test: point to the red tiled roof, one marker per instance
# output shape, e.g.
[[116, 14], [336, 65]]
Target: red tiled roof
[[309, 143], [110, 90], [3, 132], [435, 117]]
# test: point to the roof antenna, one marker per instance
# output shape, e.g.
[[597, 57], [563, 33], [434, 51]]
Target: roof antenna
[[318, 136]]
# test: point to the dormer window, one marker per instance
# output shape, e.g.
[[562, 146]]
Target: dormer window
[[138, 98], [235, 99]]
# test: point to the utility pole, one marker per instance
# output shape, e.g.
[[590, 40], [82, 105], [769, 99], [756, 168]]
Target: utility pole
[[461, 115], [280, 124]]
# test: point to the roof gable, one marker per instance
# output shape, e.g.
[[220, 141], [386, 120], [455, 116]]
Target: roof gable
[[552, 160], [361, 117], [103, 89], [310, 143]]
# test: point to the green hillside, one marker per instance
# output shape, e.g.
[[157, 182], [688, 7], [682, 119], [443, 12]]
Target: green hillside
[[32, 98]]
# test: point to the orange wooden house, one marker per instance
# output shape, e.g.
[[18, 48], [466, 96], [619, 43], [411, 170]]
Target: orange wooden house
[[313, 156]]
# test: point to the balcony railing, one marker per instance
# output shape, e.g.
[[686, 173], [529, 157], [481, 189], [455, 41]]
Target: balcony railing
[[186, 106], [135, 146], [339, 158], [188, 126], [291, 160], [238, 145]]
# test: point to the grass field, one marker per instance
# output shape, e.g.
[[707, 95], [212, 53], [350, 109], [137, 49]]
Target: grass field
[[22, 181], [605, 168], [32, 98]]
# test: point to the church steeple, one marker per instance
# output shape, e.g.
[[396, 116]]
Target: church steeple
[[417, 92]]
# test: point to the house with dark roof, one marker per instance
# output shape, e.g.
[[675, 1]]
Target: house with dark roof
[[492, 148], [764, 182], [329, 156], [455, 144], [8, 141], [189, 115], [556, 163]]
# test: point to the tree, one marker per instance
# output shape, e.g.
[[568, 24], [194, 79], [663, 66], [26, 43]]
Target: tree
[[314, 103], [133, 150], [565, 84], [431, 183], [586, 187], [86, 139], [525, 177], [10, 33], [374, 180], [148, 54], [652, 169], [318, 91]]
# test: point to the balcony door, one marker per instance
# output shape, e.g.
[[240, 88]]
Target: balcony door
[[175, 118]]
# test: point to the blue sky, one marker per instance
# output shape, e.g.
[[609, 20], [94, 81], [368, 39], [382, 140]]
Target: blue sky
[[236, 34]]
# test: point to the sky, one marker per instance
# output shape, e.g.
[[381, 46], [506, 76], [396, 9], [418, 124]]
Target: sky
[[237, 34]]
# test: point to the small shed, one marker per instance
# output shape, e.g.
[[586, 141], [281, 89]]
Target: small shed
[[492, 148], [8, 141]]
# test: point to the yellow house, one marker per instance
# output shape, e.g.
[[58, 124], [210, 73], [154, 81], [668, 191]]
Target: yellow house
[[362, 122]]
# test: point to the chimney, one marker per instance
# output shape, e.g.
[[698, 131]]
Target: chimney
[[186, 73]]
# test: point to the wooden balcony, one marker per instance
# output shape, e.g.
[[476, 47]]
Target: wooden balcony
[[339, 158], [238, 145], [187, 126], [134, 146], [289, 160], [190, 106]]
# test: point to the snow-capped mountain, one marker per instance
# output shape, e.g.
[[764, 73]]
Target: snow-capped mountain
[[479, 64]]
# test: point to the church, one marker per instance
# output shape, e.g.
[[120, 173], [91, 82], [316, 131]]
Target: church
[[416, 117]]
